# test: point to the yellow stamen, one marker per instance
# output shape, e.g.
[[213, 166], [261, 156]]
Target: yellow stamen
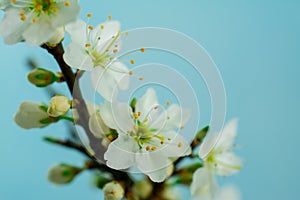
[[109, 17], [89, 15], [87, 45], [147, 148], [110, 137], [139, 113], [153, 148], [115, 51], [55, 10], [145, 120], [130, 72], [132, 62], [141, 78], [67, 3], [102, 27], [142, 50], [39, 7], [168, 118], [13, 1], [91, 27], [33, 20], [169, 139], [126, 32], [167, 103], [23, 18], [179, 144], [136, 116], [181, 127]]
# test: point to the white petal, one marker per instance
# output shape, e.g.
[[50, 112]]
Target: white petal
[[108, 81], [146, 103], [111, 28], [172, 119], [204, 185], [229, 192], [77, 31], [153, 164], [228, 135], [97, 126], [207, 145], [65, 14], [117, 116], [226, 163], [175, 145], [11, 27], [39, 32], [75, 56], [121, 152]]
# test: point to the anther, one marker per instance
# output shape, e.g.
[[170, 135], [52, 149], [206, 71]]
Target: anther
[[130, 72], [99, 38], [39, 7], [55, 10], [115, 51], [142, 50], [153, 148], [91, 27], [132, 61], [155, 107], [89, 15], [141, 78], [109, 17], [181, 127], [167, 103], [33, 20], [13, 1], [102, 27], [168, 118], [67, 3], [87, 45], [126, 32], [139, 113], [179, 144], [147, 148]]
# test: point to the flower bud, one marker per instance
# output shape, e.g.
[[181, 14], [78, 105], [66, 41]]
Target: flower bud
[[32, 115], [59, 105], [41, 77], [113, 191], [143, 189], [62, 174], [57, 37]]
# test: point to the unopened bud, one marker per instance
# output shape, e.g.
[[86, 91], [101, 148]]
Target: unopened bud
[[113, 191], [59, 105], [32, 115], [41, 77], [62, 174], [143, 189]]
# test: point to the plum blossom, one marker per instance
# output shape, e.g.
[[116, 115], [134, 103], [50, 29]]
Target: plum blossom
[[92, 49], [147, 137], [36, 21], [220, 161]]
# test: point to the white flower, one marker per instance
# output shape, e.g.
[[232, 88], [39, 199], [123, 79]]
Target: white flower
[[32, 115], [147, 137], [59, 105], [62, 174], [35, 21], [221, 159], [93, 49], [113, 191]]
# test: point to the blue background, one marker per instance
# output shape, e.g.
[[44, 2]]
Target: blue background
[[255, 45]]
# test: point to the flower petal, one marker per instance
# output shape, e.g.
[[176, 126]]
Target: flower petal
[[120, 153], [117, 116], [108, 81], [204, 185], [65, 14], [39, 32], [77, 31], [175, 145], [146, 103], [228, 135], [76, 57], [11, 27], [226, 163], [153, 164], [110, 29], [97, 126]]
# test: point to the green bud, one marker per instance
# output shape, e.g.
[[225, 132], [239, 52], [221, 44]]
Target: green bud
[[63, 174], [41, 77], [200, 137]]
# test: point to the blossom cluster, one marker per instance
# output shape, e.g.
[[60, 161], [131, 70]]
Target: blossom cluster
[[143, 135]]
